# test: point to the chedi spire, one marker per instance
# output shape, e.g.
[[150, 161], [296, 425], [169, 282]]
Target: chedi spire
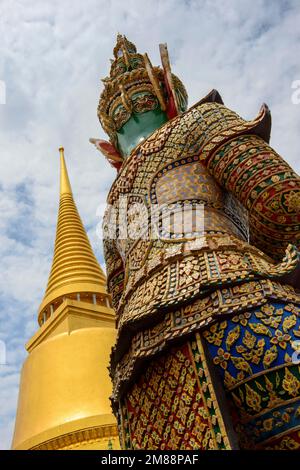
[[75, 269]]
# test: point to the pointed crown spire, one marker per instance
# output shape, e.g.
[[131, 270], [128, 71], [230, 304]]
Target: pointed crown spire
[[122, 46], [75, 269]]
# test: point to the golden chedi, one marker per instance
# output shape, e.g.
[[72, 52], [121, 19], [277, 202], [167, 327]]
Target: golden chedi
[[65, 386]]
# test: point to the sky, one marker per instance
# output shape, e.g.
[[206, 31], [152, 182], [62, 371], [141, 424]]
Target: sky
[[52, 57]]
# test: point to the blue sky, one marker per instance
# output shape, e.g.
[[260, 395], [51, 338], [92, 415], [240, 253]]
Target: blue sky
[[52, 56]]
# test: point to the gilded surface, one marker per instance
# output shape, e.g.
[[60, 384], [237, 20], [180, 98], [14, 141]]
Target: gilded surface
[[64, 385]]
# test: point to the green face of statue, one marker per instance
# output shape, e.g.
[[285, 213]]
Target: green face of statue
[[145, 118], [138, 128]]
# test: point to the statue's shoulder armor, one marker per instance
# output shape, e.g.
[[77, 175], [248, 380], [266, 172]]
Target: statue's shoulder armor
[[180, 135], [156, 141], [179, 125], [200, 130], [181, 129]]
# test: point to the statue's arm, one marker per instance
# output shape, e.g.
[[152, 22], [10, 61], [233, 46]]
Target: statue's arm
[[262, 181]]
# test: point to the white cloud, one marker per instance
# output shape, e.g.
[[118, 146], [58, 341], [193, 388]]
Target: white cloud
[[52, 56]]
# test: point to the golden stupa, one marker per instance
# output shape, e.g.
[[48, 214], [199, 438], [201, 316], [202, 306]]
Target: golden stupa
[[65, 386]]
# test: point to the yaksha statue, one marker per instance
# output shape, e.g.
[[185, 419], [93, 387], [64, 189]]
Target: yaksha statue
[[202, 232]]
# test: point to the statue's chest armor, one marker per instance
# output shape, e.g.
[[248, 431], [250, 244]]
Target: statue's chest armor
[[186, 136], [165, 192]]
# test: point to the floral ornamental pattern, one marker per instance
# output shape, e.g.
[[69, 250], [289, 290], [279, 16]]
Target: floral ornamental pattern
[[254, 341], [167, 408], [291, 442], [197, 316], [253, 353], [292, 201]]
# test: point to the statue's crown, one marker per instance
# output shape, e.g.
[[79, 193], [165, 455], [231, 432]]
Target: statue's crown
[[133, 85], [123, 45]]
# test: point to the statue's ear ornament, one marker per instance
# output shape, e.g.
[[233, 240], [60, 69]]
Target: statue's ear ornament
[[173, 105]]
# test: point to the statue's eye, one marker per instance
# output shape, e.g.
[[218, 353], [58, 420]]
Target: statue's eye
[[120, 116]]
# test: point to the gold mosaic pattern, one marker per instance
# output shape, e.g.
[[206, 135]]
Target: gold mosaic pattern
[[172, 406], [182, 275], [192, 317]]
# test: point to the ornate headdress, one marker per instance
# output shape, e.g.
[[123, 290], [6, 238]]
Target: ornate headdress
[[135, 86]]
